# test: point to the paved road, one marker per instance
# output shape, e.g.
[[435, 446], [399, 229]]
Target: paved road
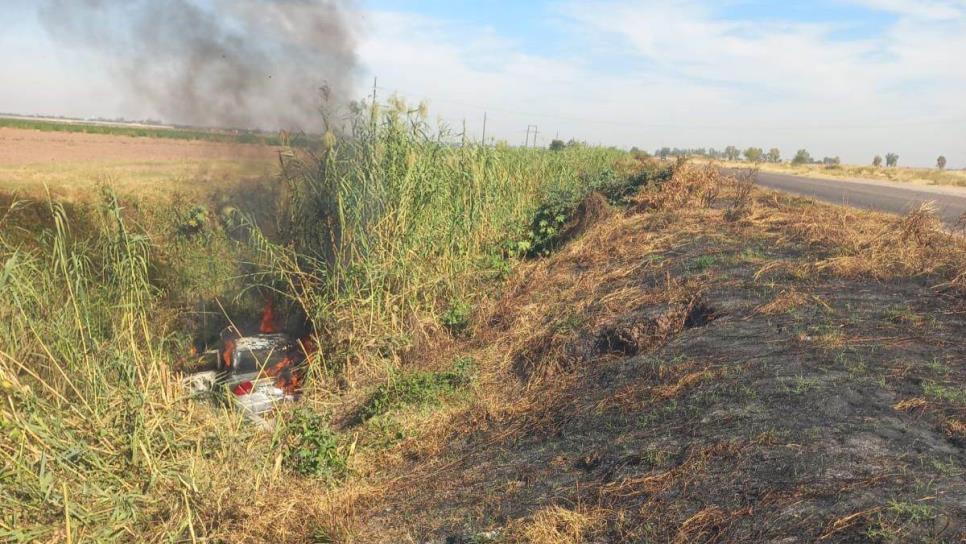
[[950, 203]]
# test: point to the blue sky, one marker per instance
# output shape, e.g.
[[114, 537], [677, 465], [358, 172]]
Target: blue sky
[[839, 77]]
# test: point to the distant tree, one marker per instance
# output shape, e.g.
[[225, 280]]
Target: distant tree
[[941, 162], [774, 155], [892, 160], [877, 161], [557, 145], [802, 157], [731, 153], [640, 153], [831, 162], [663, 152], [754, 154]]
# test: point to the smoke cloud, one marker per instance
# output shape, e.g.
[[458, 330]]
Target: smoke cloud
[[225, 63]]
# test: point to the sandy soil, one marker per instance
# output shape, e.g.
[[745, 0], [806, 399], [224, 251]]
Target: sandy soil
[[28, 147]]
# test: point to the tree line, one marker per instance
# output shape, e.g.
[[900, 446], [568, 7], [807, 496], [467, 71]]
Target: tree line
[[773, 155]]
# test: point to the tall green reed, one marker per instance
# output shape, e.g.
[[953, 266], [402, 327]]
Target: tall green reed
[[97, 442], [395, 218]]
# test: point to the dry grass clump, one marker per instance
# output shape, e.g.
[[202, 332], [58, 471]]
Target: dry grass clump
[[861, 244], [690, 184], [702, 526], [783, 302], [556, 525], [702, 185]]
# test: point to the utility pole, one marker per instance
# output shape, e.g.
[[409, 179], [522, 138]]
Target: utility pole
[[534, 127], [484, 129], [526, 143], [375, 80]]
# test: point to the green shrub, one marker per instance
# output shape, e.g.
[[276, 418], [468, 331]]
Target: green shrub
[[547, 226], [498, 264], [312, 448], [618, 190], [416, 389], [195, 221], [456, 318]]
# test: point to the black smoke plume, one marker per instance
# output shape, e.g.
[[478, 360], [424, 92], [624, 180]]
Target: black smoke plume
[[224, 63]]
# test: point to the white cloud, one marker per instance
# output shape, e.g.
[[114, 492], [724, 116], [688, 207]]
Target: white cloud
[[694, 79]]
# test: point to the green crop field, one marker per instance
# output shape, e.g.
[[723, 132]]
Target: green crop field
[[225, 136]]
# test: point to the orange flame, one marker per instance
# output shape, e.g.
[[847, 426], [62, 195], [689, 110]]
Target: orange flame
[[289, 372], [268, 319], [227, 353]]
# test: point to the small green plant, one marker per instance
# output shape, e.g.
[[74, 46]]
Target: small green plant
[[417, 389], [799, 385], [499, 264], [937, 367], [570, 322], [903, 315], [386, 430], [193, 222], [321, 535], [313, 448], [940, 392], [456, 318], [911, 511], [704, 263]]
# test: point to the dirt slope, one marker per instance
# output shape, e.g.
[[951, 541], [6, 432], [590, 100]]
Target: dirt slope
[[767, 371]]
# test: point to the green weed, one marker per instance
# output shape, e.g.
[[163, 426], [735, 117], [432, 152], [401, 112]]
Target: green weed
[[456, 318], [703, 263], [941, 392], [416, 389], [799, 385], [312, 448]]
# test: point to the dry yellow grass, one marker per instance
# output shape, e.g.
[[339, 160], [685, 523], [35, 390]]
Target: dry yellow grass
[[148, 179], [785, 301], [556, 525]]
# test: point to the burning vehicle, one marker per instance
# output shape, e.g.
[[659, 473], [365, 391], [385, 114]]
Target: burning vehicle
[[255, 371]]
